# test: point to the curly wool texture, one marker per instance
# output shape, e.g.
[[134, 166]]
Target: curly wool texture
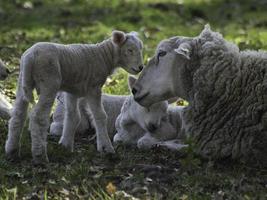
[[227, 112]]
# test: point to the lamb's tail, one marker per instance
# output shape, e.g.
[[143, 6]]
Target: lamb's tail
[[27, 82]]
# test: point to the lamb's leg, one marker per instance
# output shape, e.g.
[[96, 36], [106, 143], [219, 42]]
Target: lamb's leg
[[100, 123], [71, 121], [128, 132], [16, 124], [147, 141], [56, 127], [39, 123]]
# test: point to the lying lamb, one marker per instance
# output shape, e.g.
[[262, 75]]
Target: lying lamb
[[226, 90], [80, 70], [5, 106], [159, 124]]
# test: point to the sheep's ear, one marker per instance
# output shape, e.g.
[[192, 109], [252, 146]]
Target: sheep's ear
[[206, 32], [131, 82], [118, 37], [185, 50]]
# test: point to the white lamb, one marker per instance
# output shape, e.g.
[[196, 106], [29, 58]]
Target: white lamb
[[159, 124], [78, 69]]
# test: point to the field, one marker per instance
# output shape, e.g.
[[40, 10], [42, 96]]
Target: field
[[131, 173]]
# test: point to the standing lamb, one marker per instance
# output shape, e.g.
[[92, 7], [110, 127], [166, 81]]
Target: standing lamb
[[226, 90], [78, 69]]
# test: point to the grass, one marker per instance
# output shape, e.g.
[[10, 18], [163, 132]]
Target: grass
[[154, 174]]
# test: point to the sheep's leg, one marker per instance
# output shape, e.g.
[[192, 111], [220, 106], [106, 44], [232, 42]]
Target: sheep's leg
[[100, 123], [39, 123], [71, 121], [16, 124]]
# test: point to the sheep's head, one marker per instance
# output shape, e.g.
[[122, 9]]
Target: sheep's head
[[130, 47], [167, 73], [149, 118], [3, 71]]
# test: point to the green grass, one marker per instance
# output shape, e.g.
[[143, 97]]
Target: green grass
[[85, 174]]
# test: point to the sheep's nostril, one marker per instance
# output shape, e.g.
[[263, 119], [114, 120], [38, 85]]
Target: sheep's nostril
[[141, 67], [134, 90]]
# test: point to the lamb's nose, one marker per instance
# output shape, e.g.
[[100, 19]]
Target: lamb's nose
[[134, 90], [141, 67]]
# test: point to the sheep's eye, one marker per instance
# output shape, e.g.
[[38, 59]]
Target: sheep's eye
[[130, 50], [162, 53]]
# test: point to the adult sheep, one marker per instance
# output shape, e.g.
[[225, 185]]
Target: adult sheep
[[80, 70], [226, 90]]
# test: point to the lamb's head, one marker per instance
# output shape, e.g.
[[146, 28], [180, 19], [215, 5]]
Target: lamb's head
[[130, 51], [170, 71], [3, 71], [148, 118]]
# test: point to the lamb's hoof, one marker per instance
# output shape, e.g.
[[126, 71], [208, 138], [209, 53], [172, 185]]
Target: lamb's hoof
[[66, 145], [106, 149], [40, 160], [13, 155]]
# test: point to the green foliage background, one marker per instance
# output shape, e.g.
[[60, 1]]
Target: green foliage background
[[25, 22]]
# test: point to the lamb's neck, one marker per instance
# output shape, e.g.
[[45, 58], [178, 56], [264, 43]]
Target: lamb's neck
[[108, 53]]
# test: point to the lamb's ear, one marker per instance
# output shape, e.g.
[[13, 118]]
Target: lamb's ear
[[184, 49], [118, 37], [131, 82]]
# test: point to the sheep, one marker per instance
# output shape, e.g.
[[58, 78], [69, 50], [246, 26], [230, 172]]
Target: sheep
[[78, 69], [112, 105], [158, 124], [5, 106], [225, 88]]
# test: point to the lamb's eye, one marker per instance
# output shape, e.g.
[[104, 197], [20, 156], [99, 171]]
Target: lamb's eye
[[162, 53], [130, 50]]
